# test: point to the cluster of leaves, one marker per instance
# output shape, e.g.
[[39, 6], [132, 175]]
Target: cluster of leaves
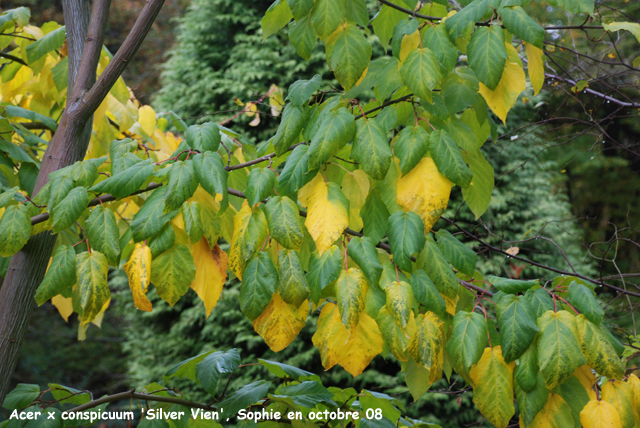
[[365, 256], [291, 391]]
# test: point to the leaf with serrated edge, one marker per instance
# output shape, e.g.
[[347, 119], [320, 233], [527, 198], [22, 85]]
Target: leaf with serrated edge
[[493, 387], [517, 323], [420, 71], [371, 149], [280, 322], [348, 54], [172, 272], [597, 349], [468, 341], [283, 219], [15, 229]]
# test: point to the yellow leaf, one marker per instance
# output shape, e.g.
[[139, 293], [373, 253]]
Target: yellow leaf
[[245, 240], [211, 273], [280, 322], [364, 74], [255, 121], [327, 214], [425, 191], [352, 351], [147, 119], [64, 306], [635, 384], [409, 43], [276, 100], [511, 84], [250, 109], [97, 321], [365, 342], [536, 67], [600, 414], [138, 270], [355, 186], [620, 395], [330, 331], [451, 303], [493, 387], [556, 413]]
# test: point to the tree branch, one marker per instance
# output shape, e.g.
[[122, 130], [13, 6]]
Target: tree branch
[[592, 92], [139, 396], [12, 58], [540, 265], [486, 24]]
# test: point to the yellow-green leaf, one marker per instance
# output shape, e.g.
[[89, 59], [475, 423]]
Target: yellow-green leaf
[[351, 289], [427, 347], [597, 349], [535, 67], [327, 214], [293, 287], [399, 302], [355, 186], [91, 270], [556, 413], [493, 387], [249, 234], [280, 322], [620, 395], [396, 338], [348, 54]]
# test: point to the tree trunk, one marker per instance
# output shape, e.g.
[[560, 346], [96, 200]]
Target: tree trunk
[[68, 145]]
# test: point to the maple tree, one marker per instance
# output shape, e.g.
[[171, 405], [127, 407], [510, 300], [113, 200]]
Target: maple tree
[[335, 213]]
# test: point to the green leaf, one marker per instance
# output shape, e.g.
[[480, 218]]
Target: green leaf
[[150, 219], [348, 54], [436, 266], [388, 78], [559, 353], [15, 152], [446, 155], [181, 186], [334, 132], [512, 286], [363, 252], [584, 300], [22, 395], [460, 91], [69, 209], [296, 173], [212, 176], [477, 194], [275, 18], [532, 401], [385, 21], [245, 396], [103, 233], [540, 301], [597, 349], [462, 22], [69, 395], [420, 71], [86, 172], [487, 54], [306, 394], [517, 323], [192, 220], [375, 216], [259, 282], [632, 27], [284, 370], [351, 288], [323, 271], [50, 42], [402, 29], [160, 242], [60, 276], [399, 301], [15, 229], [303, 37], [576, 6], [516, 20], [468, 340], [61, 184], [92, 270], [326, 15], [185, 369], [260, 185], [300, 8], [357, 13], [410, 147], [126, 182], [209, 370], [406, 237], [292, 286], [437, 40], [459, 255], [575, 395], [7, 197], [283, 218], [204, 138], [293, 120], [426, 293], [371, 149], [123, 161], [16, 111], [417, 379], [172, 272], [301, 90], [526, 371]]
